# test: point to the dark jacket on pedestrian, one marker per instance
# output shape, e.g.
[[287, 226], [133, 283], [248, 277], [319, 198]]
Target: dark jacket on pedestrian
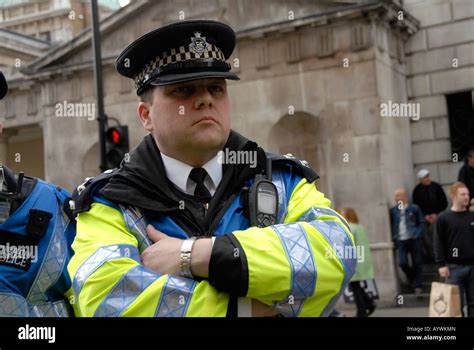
[[454, 238], [466, 176], [414, 219], [431, 199]]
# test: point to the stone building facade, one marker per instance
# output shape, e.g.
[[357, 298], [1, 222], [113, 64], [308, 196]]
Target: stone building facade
[[313, 79], [54, 21], [440, 63]]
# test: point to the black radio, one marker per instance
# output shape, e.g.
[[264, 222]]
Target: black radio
[[263, 200]]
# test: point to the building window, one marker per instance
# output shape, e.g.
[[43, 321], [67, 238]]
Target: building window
[[324, 42], [49, 94], [76, 91], [263, 60], [461, 122], [46, 36], [293, 53], [32, 109], [360, 37]]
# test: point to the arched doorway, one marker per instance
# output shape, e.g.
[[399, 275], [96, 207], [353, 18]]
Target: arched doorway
[[23, 150], [299, 134]]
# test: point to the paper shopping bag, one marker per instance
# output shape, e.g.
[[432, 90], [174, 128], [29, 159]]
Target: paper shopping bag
[[445, 300]]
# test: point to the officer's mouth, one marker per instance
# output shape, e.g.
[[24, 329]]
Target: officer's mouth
[[206, 119]]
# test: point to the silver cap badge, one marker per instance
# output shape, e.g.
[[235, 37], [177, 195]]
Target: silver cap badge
[[198, 43]]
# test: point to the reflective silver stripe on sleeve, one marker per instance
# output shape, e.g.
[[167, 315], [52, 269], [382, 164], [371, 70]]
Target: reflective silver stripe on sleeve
[[340, 241], [14, 305], [314, 213], [343, 250], [98, 258], [56, 309], [136, 225], [303, 268], [53, 262], [126, 291], [175, 297]]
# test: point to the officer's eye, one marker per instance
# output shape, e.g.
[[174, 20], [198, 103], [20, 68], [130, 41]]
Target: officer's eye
[[214, 89], [185, 90]]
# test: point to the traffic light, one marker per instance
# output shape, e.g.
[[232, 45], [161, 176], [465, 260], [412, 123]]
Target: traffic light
[[117, 145]]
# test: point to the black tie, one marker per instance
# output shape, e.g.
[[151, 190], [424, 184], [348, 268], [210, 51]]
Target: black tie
[[198, 175]]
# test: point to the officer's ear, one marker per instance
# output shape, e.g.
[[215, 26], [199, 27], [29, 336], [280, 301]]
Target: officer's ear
[[144, 115], [146, 100]]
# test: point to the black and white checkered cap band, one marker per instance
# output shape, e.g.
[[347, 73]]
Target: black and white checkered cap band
[[183, 53]]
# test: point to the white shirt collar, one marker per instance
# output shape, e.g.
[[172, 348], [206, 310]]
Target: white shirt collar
[[214, 170], [178, 173]]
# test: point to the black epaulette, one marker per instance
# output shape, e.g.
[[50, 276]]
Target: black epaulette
[[300, 164], [82, 196]]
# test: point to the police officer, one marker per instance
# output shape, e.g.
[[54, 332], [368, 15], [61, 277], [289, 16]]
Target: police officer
[[168, 233], [35, 238]]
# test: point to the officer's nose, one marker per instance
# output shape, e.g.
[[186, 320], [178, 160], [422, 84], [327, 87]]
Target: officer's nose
[[204, 99]]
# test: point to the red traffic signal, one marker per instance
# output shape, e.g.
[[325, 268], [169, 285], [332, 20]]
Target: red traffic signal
[[117, 145], [117, 135]]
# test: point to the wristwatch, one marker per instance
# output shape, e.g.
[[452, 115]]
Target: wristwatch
[[185, 259]]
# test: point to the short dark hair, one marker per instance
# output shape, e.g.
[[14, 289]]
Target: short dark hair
[[470, 152]]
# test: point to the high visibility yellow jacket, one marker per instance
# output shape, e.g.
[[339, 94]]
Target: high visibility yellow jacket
[[300, 266]]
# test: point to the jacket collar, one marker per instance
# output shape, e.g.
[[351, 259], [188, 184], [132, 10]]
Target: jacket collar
[[142, 181], [178, 172]]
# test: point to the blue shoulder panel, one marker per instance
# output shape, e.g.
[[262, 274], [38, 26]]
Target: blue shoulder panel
[[45, 280]]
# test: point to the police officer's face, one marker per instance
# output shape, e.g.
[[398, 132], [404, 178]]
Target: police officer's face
[[188, 117]]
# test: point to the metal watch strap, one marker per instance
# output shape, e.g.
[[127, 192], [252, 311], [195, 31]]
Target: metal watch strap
[[185, 259]]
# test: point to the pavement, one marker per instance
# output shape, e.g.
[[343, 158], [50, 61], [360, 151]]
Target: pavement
[[392, 312], [410, 306], [384, 311]]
